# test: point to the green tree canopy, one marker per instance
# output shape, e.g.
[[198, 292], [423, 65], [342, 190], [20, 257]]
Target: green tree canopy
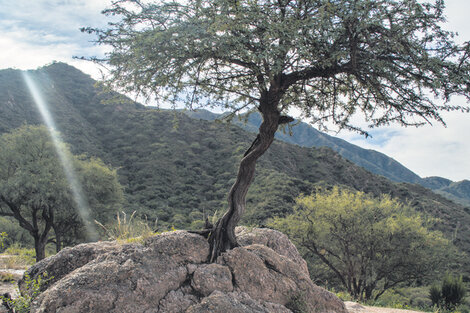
[[34, 189], [370, 244], [330, 59]]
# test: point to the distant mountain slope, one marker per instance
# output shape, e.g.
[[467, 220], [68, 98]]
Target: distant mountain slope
[[456, 191], [65, 90], [174, 167], [378, 163]]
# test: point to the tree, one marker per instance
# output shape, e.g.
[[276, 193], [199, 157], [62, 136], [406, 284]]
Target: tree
[[104, 195], [330, 59], [34, 189], [369, 244]]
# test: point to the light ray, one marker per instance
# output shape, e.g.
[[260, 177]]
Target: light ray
[[75, 186]]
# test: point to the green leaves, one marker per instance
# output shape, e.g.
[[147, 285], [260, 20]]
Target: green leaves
[[370, 244], [330, 59], [34, 189], [3, 236]]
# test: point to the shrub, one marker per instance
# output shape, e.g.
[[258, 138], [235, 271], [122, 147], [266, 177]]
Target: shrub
[[435, 295], [453, 291], [127, 229], [22, 304], [450, 294], [3, 235], [297, 303]]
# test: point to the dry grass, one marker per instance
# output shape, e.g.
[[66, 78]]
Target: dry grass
[[126, 229], [17, 257]]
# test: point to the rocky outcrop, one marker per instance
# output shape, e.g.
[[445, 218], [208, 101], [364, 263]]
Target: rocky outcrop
[[168, 273]]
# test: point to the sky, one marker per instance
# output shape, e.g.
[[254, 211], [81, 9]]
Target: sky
[[35, 33]]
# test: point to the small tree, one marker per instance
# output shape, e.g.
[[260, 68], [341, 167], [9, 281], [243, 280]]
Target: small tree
[[330, 59], [370, 244], [34, 189]]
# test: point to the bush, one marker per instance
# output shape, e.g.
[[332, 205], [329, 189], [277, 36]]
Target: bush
[[3, 235], [33, 287], [435, 295], [126, 229], [297, 303], [450, 295], [453, 291]]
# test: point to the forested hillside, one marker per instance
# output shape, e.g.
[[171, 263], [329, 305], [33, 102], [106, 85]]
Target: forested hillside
[[375, 162], [174, 168]]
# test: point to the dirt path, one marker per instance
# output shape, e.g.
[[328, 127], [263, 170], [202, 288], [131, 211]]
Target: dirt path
[[10, 287], [16, 274], [359, 308]]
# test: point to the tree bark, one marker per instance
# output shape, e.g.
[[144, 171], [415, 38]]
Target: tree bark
[[40, 240], [222, 237], [58, 240], [40, 249]]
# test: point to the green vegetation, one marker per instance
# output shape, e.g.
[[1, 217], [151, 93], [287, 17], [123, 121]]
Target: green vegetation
[[449, 295], [415, 298], [126, 229], [34, 190], [328, 60], [22, 304], [296, 303], [176, 175], [3, 236], [369, 244], [6, 277], [20, 257], [16, 234], [304, 135]]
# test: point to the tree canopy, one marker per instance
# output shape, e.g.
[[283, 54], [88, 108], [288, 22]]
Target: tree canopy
[[369, 244], [330, 59], [35, 192]]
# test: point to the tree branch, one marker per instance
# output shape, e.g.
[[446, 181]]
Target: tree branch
[[17, 215], [313, 72], [6, 214]]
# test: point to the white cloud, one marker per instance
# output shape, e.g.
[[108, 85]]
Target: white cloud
[[429, 150], [35, 33]]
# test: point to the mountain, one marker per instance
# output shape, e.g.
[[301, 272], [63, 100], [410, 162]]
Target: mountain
[[456, 191], [304, 135], [175, 168]]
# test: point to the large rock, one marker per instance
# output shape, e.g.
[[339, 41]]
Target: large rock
[[169, 274], [272, 239]]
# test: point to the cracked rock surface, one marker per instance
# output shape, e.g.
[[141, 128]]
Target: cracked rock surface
[[169, 274]]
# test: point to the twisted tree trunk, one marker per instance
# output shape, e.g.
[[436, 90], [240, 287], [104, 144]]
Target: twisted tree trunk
[[222, 236]]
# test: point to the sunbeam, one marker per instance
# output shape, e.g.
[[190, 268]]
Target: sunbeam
[[75, 186]]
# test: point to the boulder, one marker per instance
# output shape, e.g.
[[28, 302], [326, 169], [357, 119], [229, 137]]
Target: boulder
[[169, 273], [67, 260], [273, 239]]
